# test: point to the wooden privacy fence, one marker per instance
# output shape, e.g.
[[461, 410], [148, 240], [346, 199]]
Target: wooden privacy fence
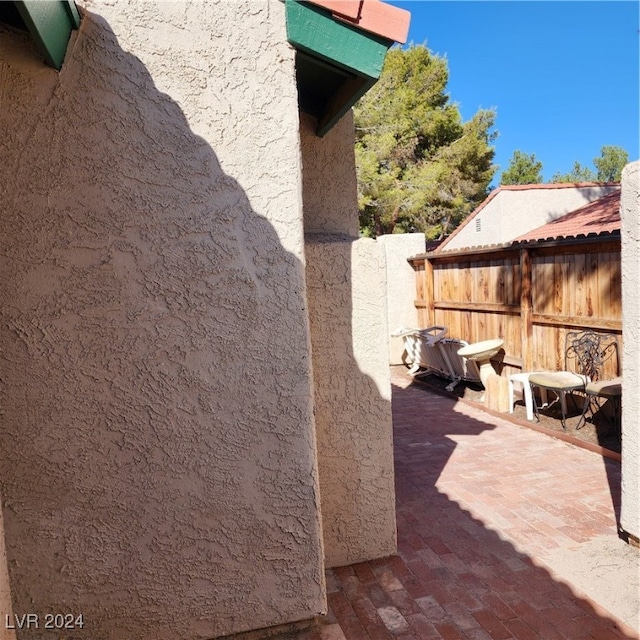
[[528, 294]]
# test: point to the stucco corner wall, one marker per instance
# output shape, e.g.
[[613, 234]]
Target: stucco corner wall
[[329, 177], [158, 463], [347, 306], [401, 286], [346, 291], [630, 212]]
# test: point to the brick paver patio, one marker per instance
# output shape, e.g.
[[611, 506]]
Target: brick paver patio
[[481, 503]]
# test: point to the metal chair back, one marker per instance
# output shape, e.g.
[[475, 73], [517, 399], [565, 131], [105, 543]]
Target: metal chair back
[[589, 352]]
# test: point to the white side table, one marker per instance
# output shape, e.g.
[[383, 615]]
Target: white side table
[[522, 380]]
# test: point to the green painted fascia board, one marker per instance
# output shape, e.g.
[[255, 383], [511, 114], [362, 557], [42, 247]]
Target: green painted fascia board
[[50, 25], [316, 31]]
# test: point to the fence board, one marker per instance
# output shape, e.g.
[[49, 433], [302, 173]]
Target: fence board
[[579, 265], [468, 285], [543, 283]]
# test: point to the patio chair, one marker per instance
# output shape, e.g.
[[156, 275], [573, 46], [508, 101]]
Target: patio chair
[[610, 390], [586, 353], [428, 349]]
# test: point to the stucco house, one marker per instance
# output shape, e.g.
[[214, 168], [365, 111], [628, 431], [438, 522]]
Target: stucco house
[[193, 343], [512, 210]]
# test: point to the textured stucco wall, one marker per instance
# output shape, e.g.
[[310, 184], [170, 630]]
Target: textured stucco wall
[[346, 284], [512, 213], [6, 632], [401, 286], [630, 211], [349, 334], [329, 180], [159, 465]]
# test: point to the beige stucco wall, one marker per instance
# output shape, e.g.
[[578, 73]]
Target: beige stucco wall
[[158, 462], [6, 632], [512, 213], [630, 211], [329, 179], [401, 286], [353, 405], [346, 284]]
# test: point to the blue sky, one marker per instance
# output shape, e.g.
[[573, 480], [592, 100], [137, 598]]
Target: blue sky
[[563, 76]]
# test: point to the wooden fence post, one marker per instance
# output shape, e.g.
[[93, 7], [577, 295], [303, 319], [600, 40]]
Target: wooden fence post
[[526, 310], [428, 293]]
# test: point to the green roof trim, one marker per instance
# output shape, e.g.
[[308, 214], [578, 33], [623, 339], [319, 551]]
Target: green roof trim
[[337, 63], [316, 31], [50, 25]]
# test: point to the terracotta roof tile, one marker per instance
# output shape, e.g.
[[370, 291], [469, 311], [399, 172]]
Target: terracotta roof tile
[[597, 217], [373, 16], [519, 187]]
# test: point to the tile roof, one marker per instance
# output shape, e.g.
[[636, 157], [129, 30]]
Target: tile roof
[[598, 217], [519, 187], [374, 16]]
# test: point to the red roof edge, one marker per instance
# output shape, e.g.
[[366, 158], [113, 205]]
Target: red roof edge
[[555, 185], [344, 8], [374, 16]]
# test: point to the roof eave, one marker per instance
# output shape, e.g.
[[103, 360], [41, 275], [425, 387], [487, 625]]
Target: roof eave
[[516, 245], [343, 55]]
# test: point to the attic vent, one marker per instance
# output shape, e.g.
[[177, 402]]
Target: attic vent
[[478, 225]]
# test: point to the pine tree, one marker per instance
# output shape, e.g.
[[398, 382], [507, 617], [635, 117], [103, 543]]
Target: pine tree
[[523, 169], [420, 167]]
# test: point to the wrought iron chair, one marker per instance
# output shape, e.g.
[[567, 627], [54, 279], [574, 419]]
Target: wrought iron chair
[[586, 353], [610, 390]]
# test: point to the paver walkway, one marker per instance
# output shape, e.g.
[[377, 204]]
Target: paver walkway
[[497, 527]]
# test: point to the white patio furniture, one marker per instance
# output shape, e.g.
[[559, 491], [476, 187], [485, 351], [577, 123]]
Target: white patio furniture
[[428, 349], [519, 382]]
